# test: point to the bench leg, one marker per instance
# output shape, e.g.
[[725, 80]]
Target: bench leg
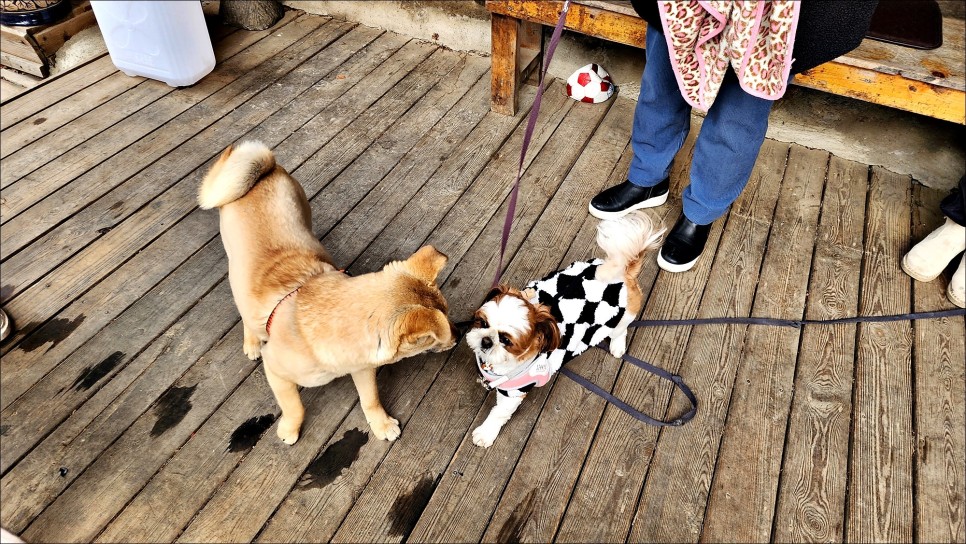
[[515, 54]]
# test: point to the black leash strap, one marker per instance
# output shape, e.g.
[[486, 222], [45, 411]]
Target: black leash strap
[[630, 410], [683, 387], [797, 324]]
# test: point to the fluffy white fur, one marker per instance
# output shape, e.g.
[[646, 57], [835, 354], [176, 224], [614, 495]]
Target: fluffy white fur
[[624, 240], [508, 315]]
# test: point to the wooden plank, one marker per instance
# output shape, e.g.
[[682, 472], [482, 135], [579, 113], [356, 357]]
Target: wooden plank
[[28, 365], [942, 67], [138, 158], [208, 457], [584, 18], [23, 48], [198, 225], [741, 499], [79, 513], [394, 101], [27, 65], [94, 262], [51, 38], [32, 415], [406, 479], [224, 504], [812, 488], [322, 166], [70, 143], [444, 150], [47, 94], [620, 6], [183, 195], [10, 90], [138, 383], [57, 115], [320, 509], [460, 506], [84, 100], [679, 478], [938, 360], [624, 445], [143, 520], [882, 444], [505, 52], [84, 143], [890, 90]]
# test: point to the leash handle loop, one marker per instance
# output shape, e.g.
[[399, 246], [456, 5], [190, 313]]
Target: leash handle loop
[[527, 135], [630, 410]]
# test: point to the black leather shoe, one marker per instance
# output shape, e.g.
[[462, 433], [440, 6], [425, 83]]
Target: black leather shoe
[[683, 245], [626, 197]]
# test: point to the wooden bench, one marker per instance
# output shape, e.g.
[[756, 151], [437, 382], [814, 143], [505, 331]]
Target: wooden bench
[[929, 82]]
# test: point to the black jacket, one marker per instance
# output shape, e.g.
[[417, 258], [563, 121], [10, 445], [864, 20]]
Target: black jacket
[[826, 28]]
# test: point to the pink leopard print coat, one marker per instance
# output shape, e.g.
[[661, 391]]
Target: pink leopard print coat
[[706, 36]]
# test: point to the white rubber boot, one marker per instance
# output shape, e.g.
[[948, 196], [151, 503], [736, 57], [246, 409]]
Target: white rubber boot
[[927, 259], [957, 286]]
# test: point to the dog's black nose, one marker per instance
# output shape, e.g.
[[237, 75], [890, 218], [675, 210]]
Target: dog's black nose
[[486, 343]]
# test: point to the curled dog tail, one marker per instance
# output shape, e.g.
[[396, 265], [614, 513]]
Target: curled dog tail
[[234, 173], [625, 241]]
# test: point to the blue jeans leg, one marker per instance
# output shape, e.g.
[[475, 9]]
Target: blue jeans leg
[[725, 152], [662, 118]]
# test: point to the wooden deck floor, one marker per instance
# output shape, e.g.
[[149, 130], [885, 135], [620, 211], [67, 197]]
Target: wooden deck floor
[[129, 412]]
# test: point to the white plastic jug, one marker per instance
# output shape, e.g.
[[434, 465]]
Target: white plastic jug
[[162, 40]]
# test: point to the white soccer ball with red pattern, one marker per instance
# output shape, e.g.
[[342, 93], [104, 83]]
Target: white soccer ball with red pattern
[[591, 84]]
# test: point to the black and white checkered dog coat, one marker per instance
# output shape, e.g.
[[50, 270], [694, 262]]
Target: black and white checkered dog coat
[[586, 310]]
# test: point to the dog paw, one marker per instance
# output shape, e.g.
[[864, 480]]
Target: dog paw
[[252, 348], [618, 346], [484, 436], [387, 429], [288, 432]]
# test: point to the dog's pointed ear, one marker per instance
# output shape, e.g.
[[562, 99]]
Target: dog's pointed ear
[[422, 328], [546, 327], [426, 263], [496, 291]]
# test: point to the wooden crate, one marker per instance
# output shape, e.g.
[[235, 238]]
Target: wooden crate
[[30, 48]]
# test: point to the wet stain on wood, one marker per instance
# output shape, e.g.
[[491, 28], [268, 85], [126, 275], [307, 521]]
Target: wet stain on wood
[[330, 463], [53, 332], [513, 528], [171, 408], [40, 120], [6, 292], [249, 433], [408, 507], [93, 374], [4, 429]]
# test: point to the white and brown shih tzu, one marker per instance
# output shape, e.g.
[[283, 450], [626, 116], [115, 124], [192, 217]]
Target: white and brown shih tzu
[[521, 338]]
